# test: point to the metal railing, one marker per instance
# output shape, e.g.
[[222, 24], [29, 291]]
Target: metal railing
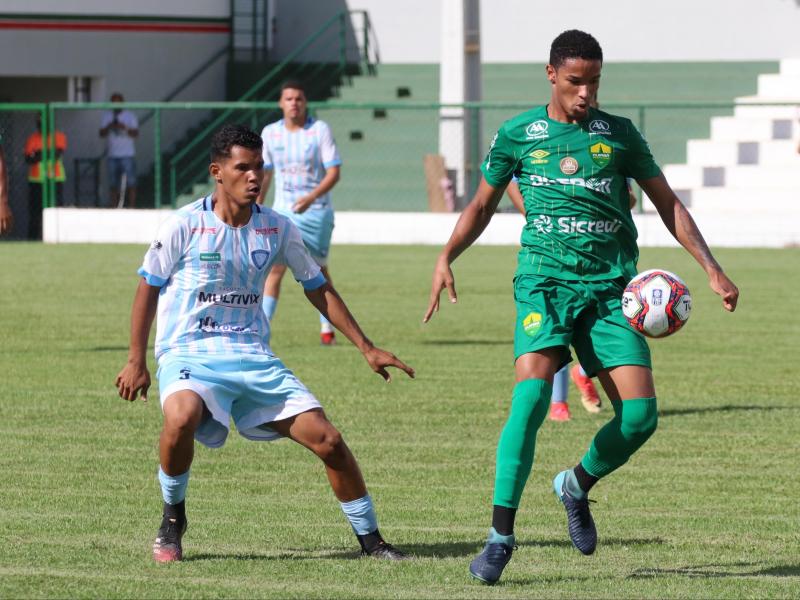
[[382, 144], [184, 170]]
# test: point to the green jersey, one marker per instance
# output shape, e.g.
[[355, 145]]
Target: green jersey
[[572, 177]]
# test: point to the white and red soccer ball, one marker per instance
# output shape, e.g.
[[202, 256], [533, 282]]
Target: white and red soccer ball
[[656, 303]]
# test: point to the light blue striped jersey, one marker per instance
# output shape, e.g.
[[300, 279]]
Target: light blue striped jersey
[[212, 277], [299, 159]]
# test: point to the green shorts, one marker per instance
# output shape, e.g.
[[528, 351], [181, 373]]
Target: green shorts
[[586, 315]]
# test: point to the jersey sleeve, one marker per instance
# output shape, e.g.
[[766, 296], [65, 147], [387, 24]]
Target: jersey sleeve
[[164, 253], [105, 119], [327, 148], [639, 161], [266, 154], [295, 255], [499, 166]]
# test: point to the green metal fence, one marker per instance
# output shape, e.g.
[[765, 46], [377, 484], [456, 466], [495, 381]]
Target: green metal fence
[[382, 145]]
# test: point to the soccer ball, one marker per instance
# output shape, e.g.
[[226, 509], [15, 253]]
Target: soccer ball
[[656, 303]]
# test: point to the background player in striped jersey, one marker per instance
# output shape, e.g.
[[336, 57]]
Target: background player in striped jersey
[[300, 153], [204, 275]]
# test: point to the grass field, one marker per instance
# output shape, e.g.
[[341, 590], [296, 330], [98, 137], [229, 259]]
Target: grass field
[[705, 509]]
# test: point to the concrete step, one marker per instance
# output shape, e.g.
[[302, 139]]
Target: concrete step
[[714, 153], [790, 66], [738, 128], [742, 201], [746, 109], [738, 176], [779, 86]]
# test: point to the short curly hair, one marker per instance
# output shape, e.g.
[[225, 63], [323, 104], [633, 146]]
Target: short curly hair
[[574, 43], [233, 134]]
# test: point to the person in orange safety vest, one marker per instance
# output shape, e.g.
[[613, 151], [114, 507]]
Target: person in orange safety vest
[[55, 170]]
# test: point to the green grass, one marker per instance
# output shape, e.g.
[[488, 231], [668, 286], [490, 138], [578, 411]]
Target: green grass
[[705, 509]]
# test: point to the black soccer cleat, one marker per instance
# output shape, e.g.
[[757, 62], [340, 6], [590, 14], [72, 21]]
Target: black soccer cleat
[[488, 566], [385, 551], [580, 523], [167, 547]]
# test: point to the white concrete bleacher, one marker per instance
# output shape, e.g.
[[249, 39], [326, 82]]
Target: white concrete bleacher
[[751, 163]]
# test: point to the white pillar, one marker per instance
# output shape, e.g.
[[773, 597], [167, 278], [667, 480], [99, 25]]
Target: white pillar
[[459, 81]]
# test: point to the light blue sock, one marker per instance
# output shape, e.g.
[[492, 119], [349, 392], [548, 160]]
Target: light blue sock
[[582, 371], [361, 514], [173, 489], [268, 305], [571, 483], [560, 386], [496, 538]]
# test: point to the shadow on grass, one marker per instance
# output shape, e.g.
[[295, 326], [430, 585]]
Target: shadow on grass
[[466, 342], [718, 570], [677, 412], [434, 550], [602, 542], [293, 555]]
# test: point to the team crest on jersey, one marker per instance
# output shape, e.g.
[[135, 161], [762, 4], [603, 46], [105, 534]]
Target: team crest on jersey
[[568, 165], [600, 127], [537, 130], [260, 258], [601, 154]]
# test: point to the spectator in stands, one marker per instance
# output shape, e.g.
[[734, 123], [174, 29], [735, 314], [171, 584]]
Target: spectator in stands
[[6, 216], [34, 147], [121, 127]]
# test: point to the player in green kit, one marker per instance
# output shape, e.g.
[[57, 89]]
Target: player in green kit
[[578, 252]]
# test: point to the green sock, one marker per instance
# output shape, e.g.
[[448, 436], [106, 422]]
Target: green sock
[[529, 404], [634, 421]]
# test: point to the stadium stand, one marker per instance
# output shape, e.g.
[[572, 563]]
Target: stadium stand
[[383, 169], [750, 156]]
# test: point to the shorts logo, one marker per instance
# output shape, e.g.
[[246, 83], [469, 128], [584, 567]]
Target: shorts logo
[[185, 372], [260, 258], [156, 245], [601, 154], [568, 165], [210, 256], [599, 127], [537, 130], [532, 323]]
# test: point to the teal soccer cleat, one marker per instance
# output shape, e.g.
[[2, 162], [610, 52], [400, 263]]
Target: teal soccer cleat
[[580, 524], [488, 566]]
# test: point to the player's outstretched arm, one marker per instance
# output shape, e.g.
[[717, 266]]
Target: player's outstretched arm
[[683, 228], [327, 301], [135, 377], [470, 225]]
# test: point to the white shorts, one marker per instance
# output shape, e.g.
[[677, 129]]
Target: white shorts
[[253, 389]]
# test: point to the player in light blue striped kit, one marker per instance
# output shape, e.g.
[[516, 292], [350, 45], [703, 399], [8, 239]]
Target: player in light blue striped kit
[[300, 153], [204, 275]]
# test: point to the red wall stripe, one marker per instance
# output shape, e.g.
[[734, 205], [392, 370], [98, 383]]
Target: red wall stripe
[[116, 26]]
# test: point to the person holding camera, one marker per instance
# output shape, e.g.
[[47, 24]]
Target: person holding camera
[[121, 127]]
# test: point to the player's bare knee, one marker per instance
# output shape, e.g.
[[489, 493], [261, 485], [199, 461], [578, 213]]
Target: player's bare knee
[[331, 446], [182, 414]]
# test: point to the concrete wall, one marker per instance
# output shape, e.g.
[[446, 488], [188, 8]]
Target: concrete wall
[[628, 30], [772, 229]]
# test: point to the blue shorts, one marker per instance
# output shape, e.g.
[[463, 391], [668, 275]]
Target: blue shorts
[[118, 166], [253, 389], [316, 227]]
